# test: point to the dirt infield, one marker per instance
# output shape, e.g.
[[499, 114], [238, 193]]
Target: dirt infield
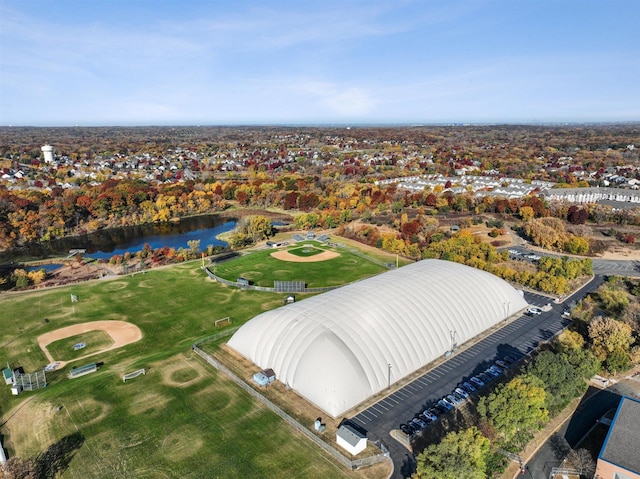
[[286, 256], [121, 332]]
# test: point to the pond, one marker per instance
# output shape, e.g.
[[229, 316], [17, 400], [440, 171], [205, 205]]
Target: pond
[[117, 241]]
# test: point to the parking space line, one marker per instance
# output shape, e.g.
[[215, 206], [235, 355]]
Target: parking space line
[[423, 381], [402, 393], [357, 418], [368, 412], [377, 408]]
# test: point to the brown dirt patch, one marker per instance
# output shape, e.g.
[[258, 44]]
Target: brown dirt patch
[[87, 411], [27, 428], [121, 332], [286, 256], [182, 373], [182, 444]]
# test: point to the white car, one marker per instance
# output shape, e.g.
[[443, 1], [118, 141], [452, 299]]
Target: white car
[[533, 311], [515, 252]]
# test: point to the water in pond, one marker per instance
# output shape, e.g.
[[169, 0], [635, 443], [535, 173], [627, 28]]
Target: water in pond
[[117, 241]]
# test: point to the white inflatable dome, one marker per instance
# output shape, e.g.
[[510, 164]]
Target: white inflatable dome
[[335, 348]]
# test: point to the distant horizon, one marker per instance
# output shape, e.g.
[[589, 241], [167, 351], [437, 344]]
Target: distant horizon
[[213, 62], [340, 125]]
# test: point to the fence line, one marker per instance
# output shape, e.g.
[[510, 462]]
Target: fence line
[[352, 464], [261, 288], [364, 256]]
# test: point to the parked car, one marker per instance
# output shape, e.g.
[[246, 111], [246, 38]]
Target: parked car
[[419, 422], [426, 419], [414, 428], [501, 364], [533, 311], [432, 417], [406, 429], [486, 378], [496, 369], [510, 359], [477, 381], [450, 398], [467, 386], [492, 373], [443, 404], [461, 392], [435, 411]]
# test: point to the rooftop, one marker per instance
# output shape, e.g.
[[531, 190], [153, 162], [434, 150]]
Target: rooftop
[[350, 434], [621, 445]]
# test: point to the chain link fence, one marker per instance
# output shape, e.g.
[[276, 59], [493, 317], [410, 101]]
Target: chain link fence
[[351, 464]]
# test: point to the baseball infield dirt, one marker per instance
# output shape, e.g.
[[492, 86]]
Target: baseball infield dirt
[[286, 256], [121, 332]]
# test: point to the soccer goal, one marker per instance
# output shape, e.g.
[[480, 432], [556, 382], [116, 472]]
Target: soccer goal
[[132, 375], [218, 323]]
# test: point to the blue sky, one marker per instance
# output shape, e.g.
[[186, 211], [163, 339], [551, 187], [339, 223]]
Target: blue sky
[[160, 62]]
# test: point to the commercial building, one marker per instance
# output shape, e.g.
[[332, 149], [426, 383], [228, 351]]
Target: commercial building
[[620, 454]]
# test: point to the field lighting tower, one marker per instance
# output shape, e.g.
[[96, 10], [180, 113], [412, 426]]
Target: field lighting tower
[[48, 153]]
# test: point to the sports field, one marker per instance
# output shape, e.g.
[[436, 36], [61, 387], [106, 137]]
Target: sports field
[[180, 420], [262, 268]]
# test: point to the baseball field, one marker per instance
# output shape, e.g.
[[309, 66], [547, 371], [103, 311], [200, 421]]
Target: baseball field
[[182, 419]]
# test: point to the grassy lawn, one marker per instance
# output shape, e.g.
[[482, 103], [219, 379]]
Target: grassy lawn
[[262, 269], [181, 419], [62, 350]]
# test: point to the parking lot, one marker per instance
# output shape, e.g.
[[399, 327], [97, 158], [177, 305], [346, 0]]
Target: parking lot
[[516, 338]]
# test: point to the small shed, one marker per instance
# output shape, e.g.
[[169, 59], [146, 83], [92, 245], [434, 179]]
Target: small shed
[[7, 374], [16, 389], [290, 299], [351, 439], [264, 377]]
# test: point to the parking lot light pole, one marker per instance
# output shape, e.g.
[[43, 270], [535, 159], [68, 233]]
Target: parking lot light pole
[[453, 338], [389, 376]]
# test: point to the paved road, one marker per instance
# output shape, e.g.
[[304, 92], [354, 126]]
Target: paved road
[[518, 338], [600, 266]]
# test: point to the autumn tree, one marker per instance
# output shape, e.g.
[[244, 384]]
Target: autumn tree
[[459, 454], [610, 342], [516, 409], [613, 300], [526, 213], [561, 380], [576, 245], [547, 232]]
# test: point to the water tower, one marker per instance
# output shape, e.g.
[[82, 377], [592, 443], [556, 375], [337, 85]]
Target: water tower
[[48, 153]]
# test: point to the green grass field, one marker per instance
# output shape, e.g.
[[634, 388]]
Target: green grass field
[[62, 350], [262, 269], [180, 420]]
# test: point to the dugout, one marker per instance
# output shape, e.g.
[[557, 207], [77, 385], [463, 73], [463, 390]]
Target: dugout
[[82, 370]]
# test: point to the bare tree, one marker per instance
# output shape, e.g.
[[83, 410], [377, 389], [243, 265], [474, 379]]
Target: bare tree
[[581, 459], [16, 468]]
